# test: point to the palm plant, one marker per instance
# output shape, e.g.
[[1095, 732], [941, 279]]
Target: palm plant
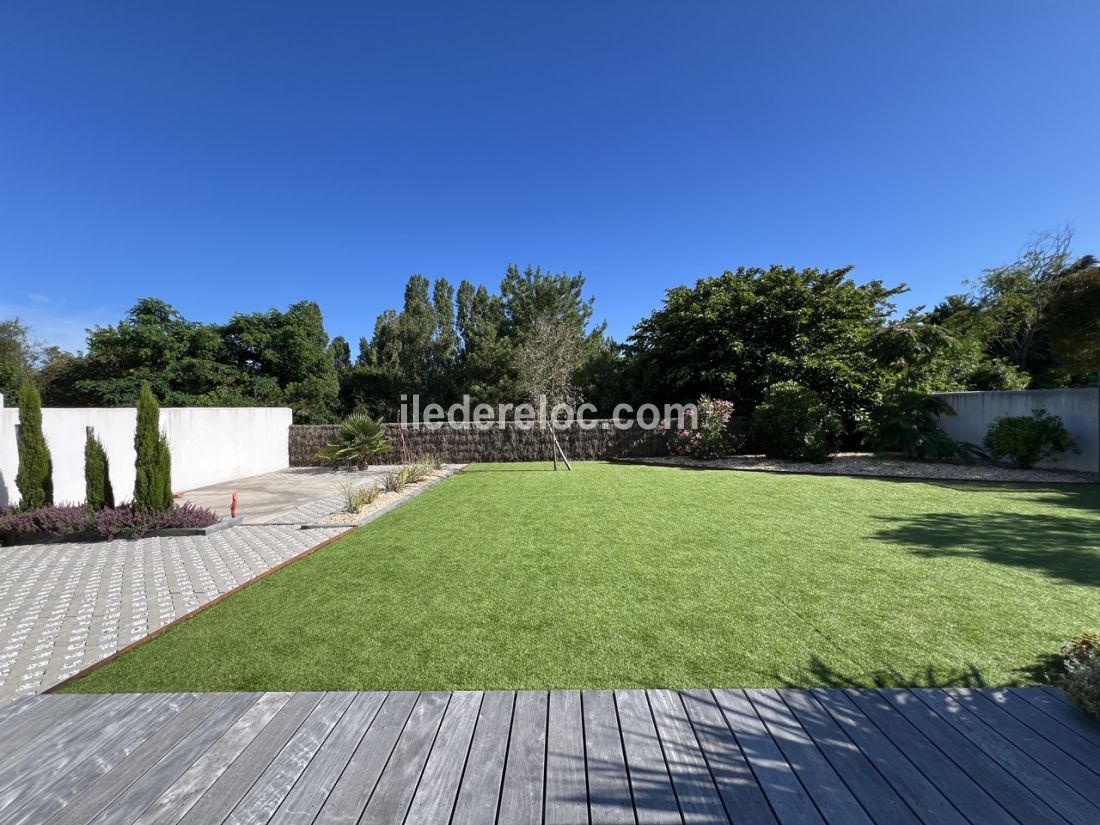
[[359, 439]]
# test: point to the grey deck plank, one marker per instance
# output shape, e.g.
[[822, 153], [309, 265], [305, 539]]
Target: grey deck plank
[[878, 797], [1053, 731], [92, 796], [691, 778], [434, 800], [179, 797], [789, 800], [75, 739], [39, 801], [394, 792], [566, 787], [990, 776], [1057, 707], [919, 792], [833, 799], [970, 798], [732, 775], [48, 725], [650, 783], [479, 791], [129, 805], [264, 797], [521, 795], [356, 784], [323, 772], [18, 707], [609, 798], [1030, 773], [1032, 742], [235, 781]]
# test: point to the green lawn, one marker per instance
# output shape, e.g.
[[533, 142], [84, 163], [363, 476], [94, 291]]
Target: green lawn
[[513, 576]]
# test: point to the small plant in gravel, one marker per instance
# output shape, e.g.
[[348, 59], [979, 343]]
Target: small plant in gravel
[[394, 481], [355, 497], [431, 461], [413, 473], [1081, 681], [1027, 439]]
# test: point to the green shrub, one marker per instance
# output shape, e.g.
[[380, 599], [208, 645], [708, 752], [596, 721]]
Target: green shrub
[[359, 440], [793, 423], [35, 476], [1027, 439], [97, 475], [907, 423], [431, 461], [1081, 680], [153, 480]]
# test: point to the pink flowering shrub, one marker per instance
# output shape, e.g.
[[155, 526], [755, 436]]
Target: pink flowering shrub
[[708, 436]]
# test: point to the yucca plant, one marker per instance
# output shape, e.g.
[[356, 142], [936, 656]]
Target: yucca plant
[[394, 481], [359, 440]]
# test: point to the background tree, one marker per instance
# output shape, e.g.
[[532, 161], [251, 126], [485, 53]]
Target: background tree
[[341, 353], [734, 335], [546, 365], [34, 479], [1072, 318], [153, 480]]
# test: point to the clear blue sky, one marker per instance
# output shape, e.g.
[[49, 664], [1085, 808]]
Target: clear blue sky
[[240, 155]]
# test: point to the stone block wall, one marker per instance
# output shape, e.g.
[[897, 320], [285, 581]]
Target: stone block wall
[[462, 444]]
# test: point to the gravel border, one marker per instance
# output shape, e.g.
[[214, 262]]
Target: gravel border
[[383, 504], [867, 464]]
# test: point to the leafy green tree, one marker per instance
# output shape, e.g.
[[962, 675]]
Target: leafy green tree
[[97, 474], [153, 481], [1072, 319], [734, 335], [341, 353], [34, 478]]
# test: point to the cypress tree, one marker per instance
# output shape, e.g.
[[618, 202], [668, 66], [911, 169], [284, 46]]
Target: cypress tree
[[34, 478], [97, 474], [153, 481]]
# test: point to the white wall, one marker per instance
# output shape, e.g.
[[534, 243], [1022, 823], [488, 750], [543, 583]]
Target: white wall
[[1078, 408], [209, 445]]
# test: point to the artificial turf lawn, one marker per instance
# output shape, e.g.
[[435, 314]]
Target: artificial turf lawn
[[514, 576]]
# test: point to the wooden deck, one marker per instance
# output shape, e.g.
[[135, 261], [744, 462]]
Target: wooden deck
[[756, 756]]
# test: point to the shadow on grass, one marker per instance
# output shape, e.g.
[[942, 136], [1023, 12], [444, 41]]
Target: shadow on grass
[[819, 674], [1061, 546]]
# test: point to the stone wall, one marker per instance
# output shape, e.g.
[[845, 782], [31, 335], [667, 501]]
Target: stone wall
[[464, 443]]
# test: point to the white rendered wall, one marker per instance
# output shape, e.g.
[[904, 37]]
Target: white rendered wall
[[1078, 408], [209, 445]]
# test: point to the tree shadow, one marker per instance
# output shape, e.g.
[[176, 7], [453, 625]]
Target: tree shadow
[[1084, 497], [1043, 670], [1062, 547]]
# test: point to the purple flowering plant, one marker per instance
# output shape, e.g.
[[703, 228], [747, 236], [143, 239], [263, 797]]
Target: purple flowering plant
[[710, 436]]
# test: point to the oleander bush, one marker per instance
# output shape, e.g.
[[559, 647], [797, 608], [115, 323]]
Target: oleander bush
[[1025, 440], [77, 520], [1081, 680], [708, 436], [793, 423]]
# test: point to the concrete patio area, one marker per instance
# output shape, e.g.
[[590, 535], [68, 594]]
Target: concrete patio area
[[276, 497]]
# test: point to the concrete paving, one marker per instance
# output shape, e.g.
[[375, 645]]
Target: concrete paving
[[273, 498]]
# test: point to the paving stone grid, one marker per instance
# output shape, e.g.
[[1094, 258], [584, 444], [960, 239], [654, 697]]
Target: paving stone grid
[[65, 606]]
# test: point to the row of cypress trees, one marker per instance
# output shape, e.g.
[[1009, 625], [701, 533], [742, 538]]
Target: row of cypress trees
[[152, 486]]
